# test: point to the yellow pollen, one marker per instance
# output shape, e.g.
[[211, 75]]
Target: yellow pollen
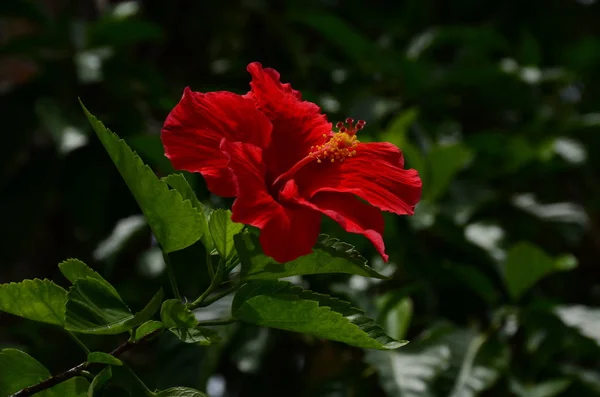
[[339, 145]]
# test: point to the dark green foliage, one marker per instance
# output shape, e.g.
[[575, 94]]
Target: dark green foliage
[[494, 103]]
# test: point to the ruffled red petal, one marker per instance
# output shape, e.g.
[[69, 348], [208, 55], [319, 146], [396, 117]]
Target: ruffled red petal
[[194, 129], [287, 232], [375, 174], [297, 124], [346, 209]]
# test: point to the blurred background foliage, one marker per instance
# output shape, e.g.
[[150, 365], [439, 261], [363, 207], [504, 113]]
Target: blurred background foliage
[[495, 280]]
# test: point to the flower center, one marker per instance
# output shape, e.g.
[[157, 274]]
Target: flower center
[[341, 144]]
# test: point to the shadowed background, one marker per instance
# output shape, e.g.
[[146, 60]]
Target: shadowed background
[[497, 104]]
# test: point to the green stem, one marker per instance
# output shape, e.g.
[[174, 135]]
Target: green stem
[[79, 342], [171, 273], [224, 321], [198, 302], [147, 391], [216, 297], [211, 270]]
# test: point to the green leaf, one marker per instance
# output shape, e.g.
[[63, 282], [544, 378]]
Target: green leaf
[[343, 35], [174, 313], [584, 319], [329, 256], [180, 392], [38, 300], [19, 370], [94, 308], [279, 304], [146, 328], [549, 388], [222, 230], [174, 221], [411, 374], [480, 367], [179, 183], [526, 264], [444, 164], [99, 382], [200, 336], [74, 269], [103, 358], [395, 313]]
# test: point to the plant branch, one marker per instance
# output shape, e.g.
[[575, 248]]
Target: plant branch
[[225, 321], [171, 274], [216, 297], [78, 369]]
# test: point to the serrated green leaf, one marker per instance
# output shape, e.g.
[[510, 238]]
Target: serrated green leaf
[[181, 392], [99, 382], [146, 328], [222, 230], [279, 304], [174, 314], [200, 336], [93, 308], [38, 300], [174, 221], [179, 183], [74, 269], [103, 358], [19, 370], [329, 255], [526, 264]]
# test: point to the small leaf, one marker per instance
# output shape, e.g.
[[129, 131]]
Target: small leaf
[[19, 370], [149, 310], [38, 300], [174, 221], [180, 392], [222, 230], [200, 336], [174, 313], [146, 328], [93, 308], [279, 304], [526, 264], [74, 269], [103, 358], [179, 183], [329, 256], [99, 382]]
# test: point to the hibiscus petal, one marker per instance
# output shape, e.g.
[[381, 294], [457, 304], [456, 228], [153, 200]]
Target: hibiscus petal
[[297, 124], [194, 129], [286, 232], [375, 174], [346, 209]]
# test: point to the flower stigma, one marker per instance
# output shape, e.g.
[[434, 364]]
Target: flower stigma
[[341, 144]]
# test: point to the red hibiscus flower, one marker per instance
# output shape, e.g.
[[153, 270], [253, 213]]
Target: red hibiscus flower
[[280, 158]]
